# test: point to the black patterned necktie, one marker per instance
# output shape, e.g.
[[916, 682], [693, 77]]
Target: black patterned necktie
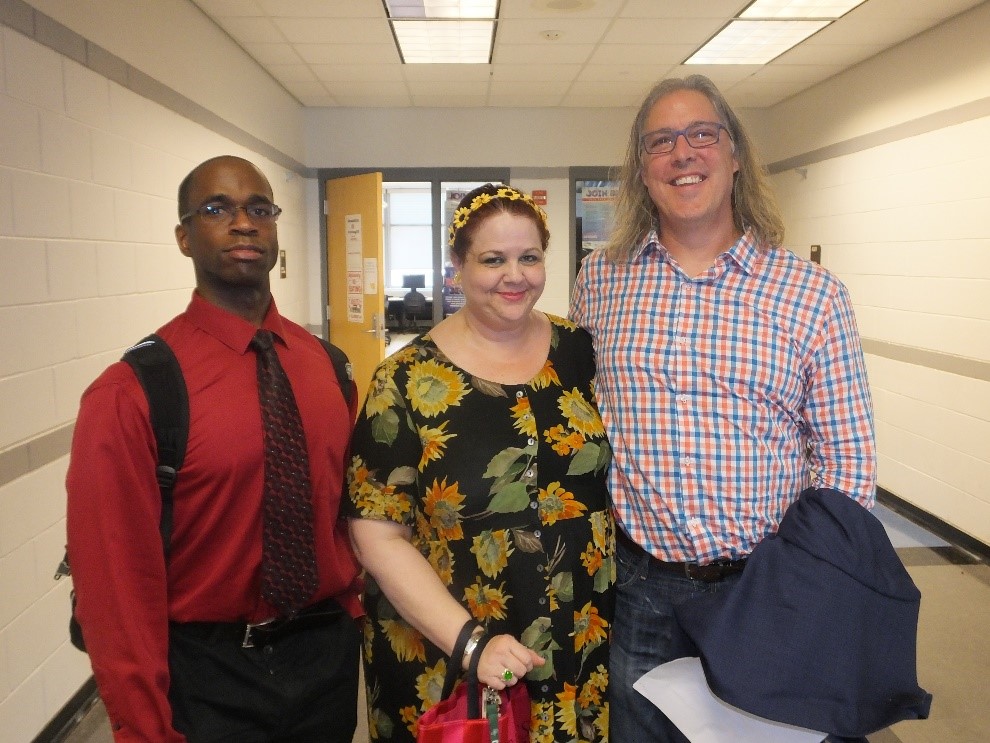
[[288, 562]]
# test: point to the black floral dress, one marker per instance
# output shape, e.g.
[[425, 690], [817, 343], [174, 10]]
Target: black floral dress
[[504, 489]]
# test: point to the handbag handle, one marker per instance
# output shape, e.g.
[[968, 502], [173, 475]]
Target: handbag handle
[[471, 676]]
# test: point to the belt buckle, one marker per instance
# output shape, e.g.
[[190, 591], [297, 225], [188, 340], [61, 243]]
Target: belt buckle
[[249, 629]]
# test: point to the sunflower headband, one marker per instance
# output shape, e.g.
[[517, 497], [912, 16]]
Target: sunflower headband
[[464, 213]]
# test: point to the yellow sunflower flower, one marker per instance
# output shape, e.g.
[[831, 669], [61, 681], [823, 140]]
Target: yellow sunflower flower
[[563, 440], [580, 415], [599, 677], [541, 722], [492, 550], [567, 709], [592, 559], [410, 716], [562, 322], [590, 696], [382, 394], [601, 722], [429, 684], [523, 420], [433, 387], [406, 641], [486, 602], [546, 377], [599, 528], [442, 560], [442, 506], [557, 504], [589, 627], [434, 442]]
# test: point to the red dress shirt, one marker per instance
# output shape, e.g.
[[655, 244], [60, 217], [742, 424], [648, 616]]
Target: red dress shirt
[[127, 595]]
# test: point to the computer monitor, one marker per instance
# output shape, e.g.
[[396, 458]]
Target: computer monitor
[[414, 281]]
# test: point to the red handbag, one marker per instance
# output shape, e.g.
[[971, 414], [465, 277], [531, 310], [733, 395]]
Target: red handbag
[[474, 712]]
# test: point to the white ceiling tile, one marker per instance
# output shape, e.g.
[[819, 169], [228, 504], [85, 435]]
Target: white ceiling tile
[[323, 8], [541, 53], [252, 30], [347, 53], [663, 30], [334, 31], [359, 73], [231, 8], [541, 9], [272, 54], [657, 56], [292, 72], [540, 72], [570, 31], [608, 53]]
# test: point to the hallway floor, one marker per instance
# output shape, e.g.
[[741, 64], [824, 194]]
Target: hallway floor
[[953, 644]]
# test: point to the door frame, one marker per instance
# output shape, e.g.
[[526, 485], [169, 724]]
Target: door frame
[[435, 176]]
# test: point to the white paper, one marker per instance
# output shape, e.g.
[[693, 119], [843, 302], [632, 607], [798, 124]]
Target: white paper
[[681, 692]]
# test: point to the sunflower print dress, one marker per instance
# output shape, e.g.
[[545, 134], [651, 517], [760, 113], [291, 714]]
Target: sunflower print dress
[[503, 487]]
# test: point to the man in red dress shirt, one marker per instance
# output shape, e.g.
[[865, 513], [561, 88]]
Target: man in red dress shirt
[[166, 636]]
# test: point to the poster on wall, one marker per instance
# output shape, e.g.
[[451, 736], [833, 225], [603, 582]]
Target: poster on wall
[[597, 208], [355, 268]]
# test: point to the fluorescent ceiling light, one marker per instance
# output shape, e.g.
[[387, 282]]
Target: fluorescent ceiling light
[[441, 8], [799, 8], [439, 42], [443, 31], [754, 42]]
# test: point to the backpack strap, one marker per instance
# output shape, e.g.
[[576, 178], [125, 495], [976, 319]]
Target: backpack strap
[[159, 373], [342, 367]]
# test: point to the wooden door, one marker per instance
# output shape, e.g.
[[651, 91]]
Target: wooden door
[[355, 272]]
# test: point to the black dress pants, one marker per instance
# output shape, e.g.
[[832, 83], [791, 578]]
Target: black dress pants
[[300, 687]]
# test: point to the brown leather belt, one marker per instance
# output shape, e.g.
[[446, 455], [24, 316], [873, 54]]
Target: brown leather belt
[[713, 572]]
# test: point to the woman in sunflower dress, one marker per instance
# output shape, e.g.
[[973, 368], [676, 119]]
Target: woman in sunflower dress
[[477, 495]]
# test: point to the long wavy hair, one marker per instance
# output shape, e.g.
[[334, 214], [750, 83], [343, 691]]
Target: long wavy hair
[[754, 205]]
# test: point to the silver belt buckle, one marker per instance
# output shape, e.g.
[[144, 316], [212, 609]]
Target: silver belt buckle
[[249, 629]]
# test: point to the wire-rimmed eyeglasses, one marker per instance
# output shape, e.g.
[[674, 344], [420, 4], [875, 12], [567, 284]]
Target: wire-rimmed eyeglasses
[[699, 135], [223, 213]]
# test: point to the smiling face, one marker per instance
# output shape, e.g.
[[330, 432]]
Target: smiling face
[[691, 188], [503, 271], [235, 255]]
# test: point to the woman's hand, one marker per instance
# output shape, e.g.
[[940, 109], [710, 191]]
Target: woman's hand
[[505, 653]]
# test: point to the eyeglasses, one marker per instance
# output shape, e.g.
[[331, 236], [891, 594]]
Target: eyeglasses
[[662, 141], [220, 213]]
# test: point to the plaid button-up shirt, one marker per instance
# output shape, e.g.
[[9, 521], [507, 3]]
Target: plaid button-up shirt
[[724, 395]]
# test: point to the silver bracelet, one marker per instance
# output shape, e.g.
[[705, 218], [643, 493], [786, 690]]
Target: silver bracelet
[[472, 643]]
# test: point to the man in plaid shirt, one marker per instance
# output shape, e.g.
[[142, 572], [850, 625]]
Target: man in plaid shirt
[[730, 377]]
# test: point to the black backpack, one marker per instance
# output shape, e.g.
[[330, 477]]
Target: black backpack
[[158, 371]]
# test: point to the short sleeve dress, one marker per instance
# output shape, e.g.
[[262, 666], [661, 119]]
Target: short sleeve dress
[[503, 487]]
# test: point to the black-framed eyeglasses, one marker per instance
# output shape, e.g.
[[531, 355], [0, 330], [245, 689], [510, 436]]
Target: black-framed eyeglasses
[[662, 141], [220, 213]]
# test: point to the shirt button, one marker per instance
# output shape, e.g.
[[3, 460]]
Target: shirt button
[[537, 533], [529, 473], [531, 441], [534, 504], [519, 393]]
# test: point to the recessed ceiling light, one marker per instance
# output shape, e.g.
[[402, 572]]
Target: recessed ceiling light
[[443, 31], [441, 8], [799, 8], [754, 42]]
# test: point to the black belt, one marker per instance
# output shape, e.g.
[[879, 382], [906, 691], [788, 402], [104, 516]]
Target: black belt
[[713, 572], [250, 634]]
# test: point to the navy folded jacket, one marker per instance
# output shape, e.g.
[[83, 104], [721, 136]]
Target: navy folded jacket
[[821, 629]]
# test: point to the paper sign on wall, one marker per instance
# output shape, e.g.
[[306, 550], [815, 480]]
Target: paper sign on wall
[[355, 268]]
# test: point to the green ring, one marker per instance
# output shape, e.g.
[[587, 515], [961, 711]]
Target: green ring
[[507, 675]]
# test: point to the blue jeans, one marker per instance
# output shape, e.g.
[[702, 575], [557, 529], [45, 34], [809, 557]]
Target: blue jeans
[[645, 634]]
